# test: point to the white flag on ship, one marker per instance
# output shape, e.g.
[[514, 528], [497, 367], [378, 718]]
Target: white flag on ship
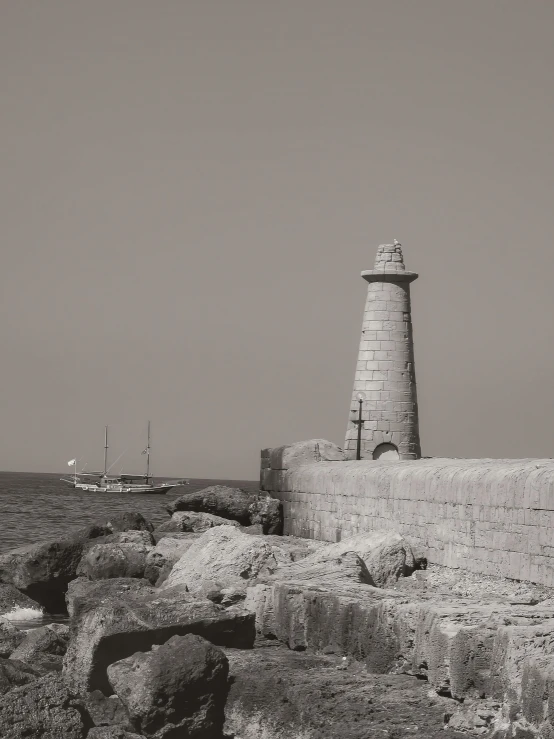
[[145, 451], [71, 462]]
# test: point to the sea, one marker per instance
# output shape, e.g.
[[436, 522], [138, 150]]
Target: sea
[[39, 506]]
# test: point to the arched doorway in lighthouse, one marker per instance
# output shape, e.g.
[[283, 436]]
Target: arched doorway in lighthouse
[[387, 452]]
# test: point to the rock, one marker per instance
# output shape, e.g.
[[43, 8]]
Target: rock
[[386, 554], [106, 710], [10, 637], [224, 555], [11, 598], [87, 593], [15, 672], [43, 570], [280, 694], [234, 504], [127, 537], [324, 568], [160, 560], [44, 647], [158, 535], [111, 732], [103, 561], [129, 521], [44, 708], [192, 522], [108, 625], [177, 689]]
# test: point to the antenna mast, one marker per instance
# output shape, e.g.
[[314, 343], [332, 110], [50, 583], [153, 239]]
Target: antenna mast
[[148, 455], [105, 451]]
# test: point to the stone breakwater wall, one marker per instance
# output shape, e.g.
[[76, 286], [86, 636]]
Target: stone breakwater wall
[[489, 516]]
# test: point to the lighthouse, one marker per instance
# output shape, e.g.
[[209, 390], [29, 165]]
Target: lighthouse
[[384, 392]]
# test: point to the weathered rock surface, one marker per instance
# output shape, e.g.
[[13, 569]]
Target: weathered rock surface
[[43, 570], [222, 555], [10, 637], [103, 561], [193, 522], [13, 672], [128, 521], [159, 535], [323, 568], [43, 709], [88, 593], [107, 627], [160, 559], [278, 694], [177, 689], [111, 732], [234, 504], [44, 647], [386, 554], [11, 598], [106, 710]]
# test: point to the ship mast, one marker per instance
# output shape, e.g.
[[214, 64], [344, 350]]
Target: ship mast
[[105, 451]]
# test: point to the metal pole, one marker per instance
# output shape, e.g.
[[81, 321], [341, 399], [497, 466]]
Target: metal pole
[[148, 455], [359, 446], [105, 451]]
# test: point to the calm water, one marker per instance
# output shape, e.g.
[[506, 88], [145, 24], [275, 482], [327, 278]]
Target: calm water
[[37, 506]]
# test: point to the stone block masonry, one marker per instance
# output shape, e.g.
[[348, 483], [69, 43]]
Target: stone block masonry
[[489, 516], [385, 371]]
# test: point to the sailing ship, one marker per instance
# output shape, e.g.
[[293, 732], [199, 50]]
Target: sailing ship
[[103, 482]]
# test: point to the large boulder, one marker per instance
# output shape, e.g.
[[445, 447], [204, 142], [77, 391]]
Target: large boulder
[[323, 568], [43, 570], [104, 561], [386, 554], [43, 708], [194, 523], [109, 624], [44, 647], [164, 555], [222, 555], [177, 689], [85, 594], [234, 504]]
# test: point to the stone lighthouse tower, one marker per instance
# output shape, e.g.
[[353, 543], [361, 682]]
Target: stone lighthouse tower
[[385, 376]]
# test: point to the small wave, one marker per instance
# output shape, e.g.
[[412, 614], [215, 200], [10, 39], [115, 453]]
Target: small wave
[[23, 614]]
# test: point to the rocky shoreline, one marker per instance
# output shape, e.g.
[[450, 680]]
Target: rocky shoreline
[[215, 625]]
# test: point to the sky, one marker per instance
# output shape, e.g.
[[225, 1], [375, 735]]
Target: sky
[[189, 190]]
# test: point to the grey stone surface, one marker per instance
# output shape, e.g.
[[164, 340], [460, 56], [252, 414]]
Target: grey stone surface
[[44, 709], [103, 561], [176, 689], [222, 555], [110, 623], [160, 559]]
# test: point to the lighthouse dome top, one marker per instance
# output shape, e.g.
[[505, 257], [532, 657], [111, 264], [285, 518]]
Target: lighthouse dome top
[[389, 265], [389, 257]]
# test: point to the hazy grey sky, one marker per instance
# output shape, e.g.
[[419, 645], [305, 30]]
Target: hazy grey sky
[[189, 190]]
